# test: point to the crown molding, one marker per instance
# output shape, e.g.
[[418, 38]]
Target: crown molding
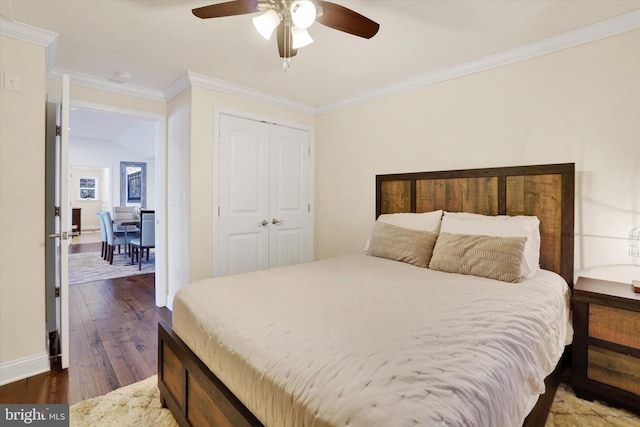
[[183, 82], [34, 35], [190, 78], [106, 84], [27, 33], [600, 30]]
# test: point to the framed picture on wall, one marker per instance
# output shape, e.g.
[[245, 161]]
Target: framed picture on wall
[[133, 183], [134, 187], [88, 189]]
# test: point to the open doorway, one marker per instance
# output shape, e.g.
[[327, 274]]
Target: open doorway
[[101, 139]]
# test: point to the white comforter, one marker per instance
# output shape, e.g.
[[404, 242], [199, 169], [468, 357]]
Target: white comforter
[[364, 341]]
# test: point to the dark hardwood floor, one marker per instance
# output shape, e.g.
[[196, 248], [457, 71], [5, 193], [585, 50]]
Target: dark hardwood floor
[[85, 247], [113, 343]]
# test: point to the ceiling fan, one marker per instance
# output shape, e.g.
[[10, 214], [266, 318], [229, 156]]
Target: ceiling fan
[[292, 18]]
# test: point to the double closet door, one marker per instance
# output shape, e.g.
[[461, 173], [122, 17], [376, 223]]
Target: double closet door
[[264, 206]]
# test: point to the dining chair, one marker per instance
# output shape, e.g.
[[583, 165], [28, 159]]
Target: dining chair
[[147, 239], [114, 239], [105, 227], [103, 234]]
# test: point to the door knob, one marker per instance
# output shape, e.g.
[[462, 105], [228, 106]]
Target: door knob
[[62, 236], [276, 221], [263, 223]]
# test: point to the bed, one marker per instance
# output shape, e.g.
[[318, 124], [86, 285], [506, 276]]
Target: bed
[[361, 340]]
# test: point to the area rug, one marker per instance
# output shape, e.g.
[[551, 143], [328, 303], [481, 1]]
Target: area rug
[[139, 405], [89, 267]]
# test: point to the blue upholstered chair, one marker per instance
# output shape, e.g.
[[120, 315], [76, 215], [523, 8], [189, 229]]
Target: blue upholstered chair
[[103, 234], [147, 239], [114, 239]]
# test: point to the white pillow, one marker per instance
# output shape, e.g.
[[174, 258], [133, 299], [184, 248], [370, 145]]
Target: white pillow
[[500, 226], [425, 221]]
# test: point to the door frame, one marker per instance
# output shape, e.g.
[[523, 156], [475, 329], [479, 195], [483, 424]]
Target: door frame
[[161, 285], [219, 111]]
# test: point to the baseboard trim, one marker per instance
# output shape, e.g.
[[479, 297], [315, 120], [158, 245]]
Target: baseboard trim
[[24, 368]]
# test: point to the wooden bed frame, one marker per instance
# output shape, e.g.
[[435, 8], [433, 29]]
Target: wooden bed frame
[[196, 397]]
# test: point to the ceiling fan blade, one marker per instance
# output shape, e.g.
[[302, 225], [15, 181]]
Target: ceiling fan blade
[[285, 41], [346, 20], [236, 7]]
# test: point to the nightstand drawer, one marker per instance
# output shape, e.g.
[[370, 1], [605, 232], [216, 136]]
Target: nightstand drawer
[[614, 325], [615, 369]]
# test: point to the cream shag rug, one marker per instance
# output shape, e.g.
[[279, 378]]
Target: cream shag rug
[[139, 405], [571, 411]]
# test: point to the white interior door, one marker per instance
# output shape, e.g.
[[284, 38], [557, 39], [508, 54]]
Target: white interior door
[[58, 226], [289, 204], [243, 195], [264, 217], [65, 222]]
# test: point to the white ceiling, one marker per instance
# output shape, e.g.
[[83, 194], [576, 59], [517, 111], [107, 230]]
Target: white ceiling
[[132, 134], [159, 40]]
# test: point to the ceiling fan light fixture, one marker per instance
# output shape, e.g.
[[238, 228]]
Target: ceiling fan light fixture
[[303, 13], [266, 23], [300, 37], [291, 18]]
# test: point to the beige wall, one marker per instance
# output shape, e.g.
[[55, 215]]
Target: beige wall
[[22, 127], [577, 105]]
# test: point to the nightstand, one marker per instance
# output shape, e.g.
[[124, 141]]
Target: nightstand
[[606, 342]]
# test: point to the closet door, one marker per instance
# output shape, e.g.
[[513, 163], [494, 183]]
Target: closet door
[[243, 223], [264, 186], [290, 228]]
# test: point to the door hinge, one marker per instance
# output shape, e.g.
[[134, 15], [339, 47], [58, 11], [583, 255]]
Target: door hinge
[[58, 130], [218, 210], [56, 211], [309, 208], [57, 292]]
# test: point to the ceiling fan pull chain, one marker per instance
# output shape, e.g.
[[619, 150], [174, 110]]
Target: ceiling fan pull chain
[[286, 62]]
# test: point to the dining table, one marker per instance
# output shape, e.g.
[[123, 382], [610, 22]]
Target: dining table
[[126, 225]]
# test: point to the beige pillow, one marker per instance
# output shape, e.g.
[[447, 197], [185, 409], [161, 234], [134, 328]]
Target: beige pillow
[[402, 244], [484, 256]]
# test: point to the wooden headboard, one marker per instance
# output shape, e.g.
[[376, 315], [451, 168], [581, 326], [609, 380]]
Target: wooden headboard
[[546, 191]]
